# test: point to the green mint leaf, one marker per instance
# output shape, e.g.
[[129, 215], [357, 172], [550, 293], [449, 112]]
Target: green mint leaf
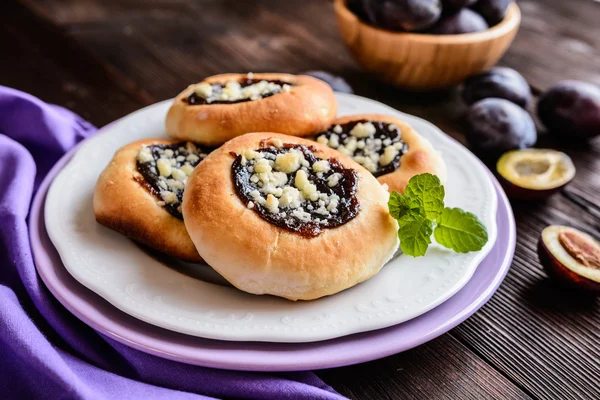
[[414, 233], [399, 205], [460, 231], [427, 190]]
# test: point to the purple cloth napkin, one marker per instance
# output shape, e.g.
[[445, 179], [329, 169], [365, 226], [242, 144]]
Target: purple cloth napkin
[[45, 352]]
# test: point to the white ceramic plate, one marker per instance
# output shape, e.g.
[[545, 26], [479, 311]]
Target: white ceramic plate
[[174, 298]]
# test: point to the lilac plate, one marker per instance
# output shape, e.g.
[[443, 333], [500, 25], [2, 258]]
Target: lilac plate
[[260, 356]]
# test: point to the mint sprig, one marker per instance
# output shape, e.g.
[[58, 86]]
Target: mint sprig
[[421, 207], [415, 234], [460, 231], [427, 191]]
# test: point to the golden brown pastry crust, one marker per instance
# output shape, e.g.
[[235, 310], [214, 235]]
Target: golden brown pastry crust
[[420, 158], [124, 205], [261, 258], [308, 108]]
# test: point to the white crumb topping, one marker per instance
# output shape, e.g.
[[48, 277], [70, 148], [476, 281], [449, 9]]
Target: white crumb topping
[[170, 169], [363, 130], [284, 184], [289, 162], [233, 90], [388, 156], [321, 166], [367, 147]]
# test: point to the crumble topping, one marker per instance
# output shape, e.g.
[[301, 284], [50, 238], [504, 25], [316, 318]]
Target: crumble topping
[[165, 169], [375, 145], [287, 185]]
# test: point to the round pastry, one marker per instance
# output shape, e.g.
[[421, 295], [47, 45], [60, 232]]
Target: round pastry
[[139, 194], [386, 146], [225, 106], [281, 215]]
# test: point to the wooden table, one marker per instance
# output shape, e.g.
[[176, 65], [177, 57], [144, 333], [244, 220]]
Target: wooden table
[[105, 59]]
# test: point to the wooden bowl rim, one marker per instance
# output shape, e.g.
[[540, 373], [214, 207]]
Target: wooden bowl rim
[[510, 23]]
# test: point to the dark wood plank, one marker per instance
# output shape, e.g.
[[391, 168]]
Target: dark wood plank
[[441, 369], [45, 63], [541, 337]]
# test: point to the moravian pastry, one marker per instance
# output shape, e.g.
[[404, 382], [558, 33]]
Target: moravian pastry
[[225, 106], [386, 146], [139, 194], [281, 215]]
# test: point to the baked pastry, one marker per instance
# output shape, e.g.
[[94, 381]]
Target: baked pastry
[[139, 194], [224, 106], [281, 215], [386, 146]]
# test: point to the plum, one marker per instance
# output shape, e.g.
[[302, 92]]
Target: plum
[[492, 10], [495, 126], [356, 6], [571, 256], [464, 21], [534, 174], [571, 108], [402, 15], [500, 82], [453, 5], [337, 83]]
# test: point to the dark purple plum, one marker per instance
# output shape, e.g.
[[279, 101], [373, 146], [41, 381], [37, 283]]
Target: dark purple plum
[[337, 83], [492, 10], [464, 21], [571, 108], [453, 5], [494, 126], [356, 6], [403, 15], [500, 82]]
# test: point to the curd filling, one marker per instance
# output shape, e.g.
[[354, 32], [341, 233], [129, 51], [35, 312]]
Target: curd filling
[[165, 169], [247, 89], [287, 185], [375, 145]]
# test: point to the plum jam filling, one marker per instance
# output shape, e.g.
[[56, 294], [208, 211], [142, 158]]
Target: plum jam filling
[[165, 169], [246, 89], [375, 145], [291, 188]]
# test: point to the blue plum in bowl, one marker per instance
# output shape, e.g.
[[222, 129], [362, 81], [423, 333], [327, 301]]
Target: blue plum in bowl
[[493, 11], [453, 5], [402, 15], [463, 21]]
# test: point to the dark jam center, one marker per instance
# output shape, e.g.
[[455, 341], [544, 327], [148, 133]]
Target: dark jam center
[[217, 88], [312, 220], [168, 189], [385, 135]]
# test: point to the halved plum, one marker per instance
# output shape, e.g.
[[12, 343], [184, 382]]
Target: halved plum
[[533, 174], [571, 256]]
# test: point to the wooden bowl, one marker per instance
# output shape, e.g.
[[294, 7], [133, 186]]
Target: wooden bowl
[[418, 61]]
